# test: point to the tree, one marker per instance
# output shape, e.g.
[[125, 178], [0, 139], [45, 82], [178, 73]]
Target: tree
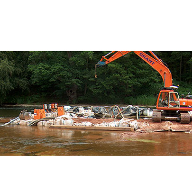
[[68, 76], [6, 72], [59, 74]]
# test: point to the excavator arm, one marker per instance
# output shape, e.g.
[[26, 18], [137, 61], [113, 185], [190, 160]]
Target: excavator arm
[[168, 106], [152, 60]]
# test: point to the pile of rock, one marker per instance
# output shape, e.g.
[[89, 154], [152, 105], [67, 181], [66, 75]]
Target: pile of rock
[[86, 117], [68, 120]]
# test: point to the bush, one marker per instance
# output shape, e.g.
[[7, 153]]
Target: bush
[[141, 100]]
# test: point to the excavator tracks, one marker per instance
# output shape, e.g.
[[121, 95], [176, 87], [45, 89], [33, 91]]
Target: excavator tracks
[[185, 118], [156, 116]]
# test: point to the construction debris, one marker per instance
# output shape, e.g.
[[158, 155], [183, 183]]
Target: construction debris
[[11, 121], [114, 118], [79, 116]]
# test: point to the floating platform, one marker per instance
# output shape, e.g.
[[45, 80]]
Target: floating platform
[[92, 128]]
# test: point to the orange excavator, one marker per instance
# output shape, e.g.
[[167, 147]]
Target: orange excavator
[[169, 106]]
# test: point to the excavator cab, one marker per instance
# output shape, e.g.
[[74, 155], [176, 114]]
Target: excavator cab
[[168, 99], [169, 108]]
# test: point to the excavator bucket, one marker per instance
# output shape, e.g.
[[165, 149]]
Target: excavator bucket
[[100, 63]]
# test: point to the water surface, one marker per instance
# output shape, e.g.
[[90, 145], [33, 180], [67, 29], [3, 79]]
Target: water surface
[[41, 141]]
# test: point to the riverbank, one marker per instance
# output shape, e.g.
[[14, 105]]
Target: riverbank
[[150, 126], [139, 126], [145, 125]]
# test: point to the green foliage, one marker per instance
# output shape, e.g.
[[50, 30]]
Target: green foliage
[[60, 74], [141, 100], [184, 88], [68, 77], [6, 72]]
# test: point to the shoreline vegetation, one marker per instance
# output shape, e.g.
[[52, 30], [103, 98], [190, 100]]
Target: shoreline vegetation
[[36, 77], [82, 105]]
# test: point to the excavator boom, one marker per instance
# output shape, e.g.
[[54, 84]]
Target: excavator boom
[[153, 61]]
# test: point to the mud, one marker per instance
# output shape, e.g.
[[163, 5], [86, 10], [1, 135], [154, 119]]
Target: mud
[[150, 126], [145, 125]]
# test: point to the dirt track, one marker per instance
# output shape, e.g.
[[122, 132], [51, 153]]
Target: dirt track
[[146, 125], [150, 126]]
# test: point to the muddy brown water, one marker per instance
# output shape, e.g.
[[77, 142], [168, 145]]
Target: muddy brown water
[[36, 141]]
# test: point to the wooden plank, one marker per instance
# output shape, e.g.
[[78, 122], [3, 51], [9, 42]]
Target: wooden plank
[[171, 130], [161, 130], [92, 128], [186, 130]]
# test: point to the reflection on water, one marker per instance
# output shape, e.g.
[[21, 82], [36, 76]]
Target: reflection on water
[[14, 111], [21, 140]]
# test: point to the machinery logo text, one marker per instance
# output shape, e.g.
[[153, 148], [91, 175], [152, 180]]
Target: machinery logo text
[[146, 58]]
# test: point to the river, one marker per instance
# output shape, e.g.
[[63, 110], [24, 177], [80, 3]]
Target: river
[[36, 141]]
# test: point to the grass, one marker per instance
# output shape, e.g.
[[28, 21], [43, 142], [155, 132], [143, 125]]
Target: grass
[[141, 100]]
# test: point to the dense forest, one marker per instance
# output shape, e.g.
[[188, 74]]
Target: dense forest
[[68, 77]]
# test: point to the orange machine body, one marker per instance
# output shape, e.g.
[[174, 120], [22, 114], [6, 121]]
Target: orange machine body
[[60, 111], [39, 113], [169, 100], [185, 102]]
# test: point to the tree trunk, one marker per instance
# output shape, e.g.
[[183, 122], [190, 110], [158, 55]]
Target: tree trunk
[[72, 94]]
